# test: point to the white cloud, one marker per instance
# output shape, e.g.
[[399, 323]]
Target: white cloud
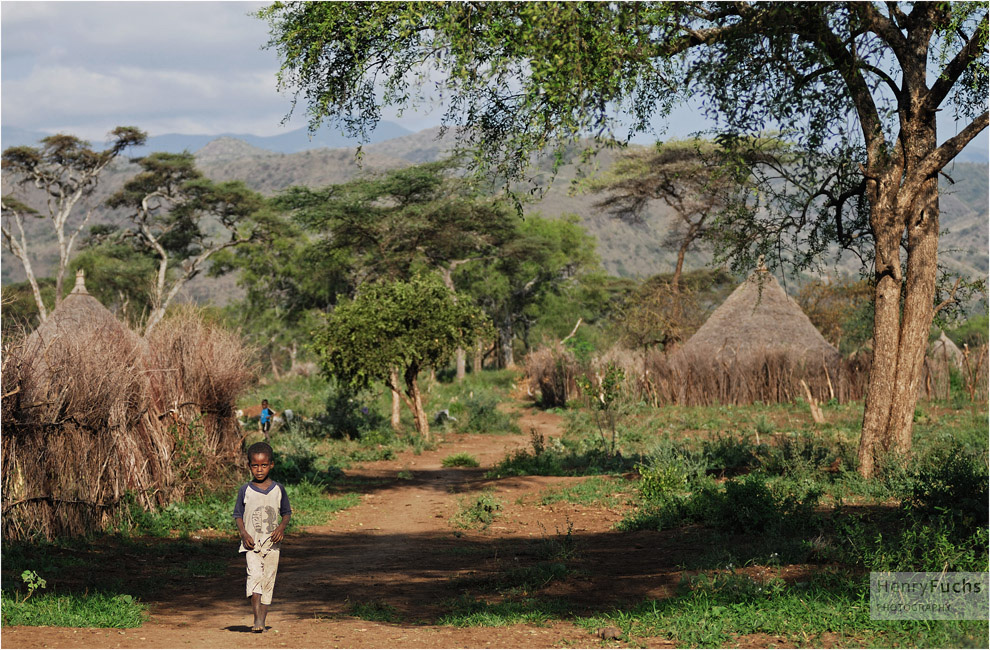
[[89, 66]]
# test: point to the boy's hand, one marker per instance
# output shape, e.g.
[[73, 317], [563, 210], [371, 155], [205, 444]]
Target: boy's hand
[[248, 541], [278, 534]]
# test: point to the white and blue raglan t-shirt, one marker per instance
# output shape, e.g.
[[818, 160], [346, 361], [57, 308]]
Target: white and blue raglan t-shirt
[[260, 510]]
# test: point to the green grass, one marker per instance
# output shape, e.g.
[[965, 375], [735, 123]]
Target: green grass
[[595, 491], [205, 512], [829, 609], [94, 609], [306, 396], [312, 506], [477, 511], [460, 460], [472, 612], [376, 610]]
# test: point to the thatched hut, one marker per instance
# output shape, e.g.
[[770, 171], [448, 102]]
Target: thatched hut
[[759, 315], [757, 346], [942, 358], [83, 425], [944, 351]]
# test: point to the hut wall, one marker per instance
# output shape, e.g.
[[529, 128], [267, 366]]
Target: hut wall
[[94, 415]]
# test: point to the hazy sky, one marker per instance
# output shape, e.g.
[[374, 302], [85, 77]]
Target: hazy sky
[[165, 67]]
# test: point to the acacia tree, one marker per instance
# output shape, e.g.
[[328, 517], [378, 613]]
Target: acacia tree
[[395, 223], [542, 258], [291, 280], [170, 204], [409, 324], [856, 85], [686, 175], [64, 170]]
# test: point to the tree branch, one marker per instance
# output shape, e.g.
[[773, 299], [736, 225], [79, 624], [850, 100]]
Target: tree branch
[[948, 150], [954, 69]]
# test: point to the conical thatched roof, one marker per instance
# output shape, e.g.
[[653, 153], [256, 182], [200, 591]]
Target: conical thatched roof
[[79, 313], [759, 317], [945, 350]]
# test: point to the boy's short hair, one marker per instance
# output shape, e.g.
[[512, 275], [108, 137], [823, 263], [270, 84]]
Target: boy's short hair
[[261, 448]]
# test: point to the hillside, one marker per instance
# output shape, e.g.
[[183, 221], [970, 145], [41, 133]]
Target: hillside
[[625, 249]]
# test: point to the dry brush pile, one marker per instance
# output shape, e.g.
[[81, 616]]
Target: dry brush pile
[[94, 415]]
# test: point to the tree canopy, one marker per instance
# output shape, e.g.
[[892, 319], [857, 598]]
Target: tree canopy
[[410, 324], [177, 213], [65, 169], [855, 85]]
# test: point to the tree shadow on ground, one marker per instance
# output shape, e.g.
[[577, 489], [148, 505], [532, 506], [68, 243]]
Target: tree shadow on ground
[[411, 578]]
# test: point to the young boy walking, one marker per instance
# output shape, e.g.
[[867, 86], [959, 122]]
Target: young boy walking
[[259, 505]]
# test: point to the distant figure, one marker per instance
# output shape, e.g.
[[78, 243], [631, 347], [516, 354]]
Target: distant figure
[[260, 503], [265, 420]]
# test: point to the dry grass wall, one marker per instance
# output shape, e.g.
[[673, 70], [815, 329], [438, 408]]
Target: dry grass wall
[[693, 380], [95, 416], [757, 376]]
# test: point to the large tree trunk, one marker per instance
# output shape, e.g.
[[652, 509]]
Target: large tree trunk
[[415, 402], [396, 402], [479, 356], [505, 343], [900, 328], [461, 357]]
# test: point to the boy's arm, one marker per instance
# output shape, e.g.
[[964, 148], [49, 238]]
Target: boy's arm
[[245, 537], [286, 511], [239, 518]]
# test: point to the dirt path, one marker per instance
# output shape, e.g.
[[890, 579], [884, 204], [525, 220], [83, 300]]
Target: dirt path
[[397, 553]]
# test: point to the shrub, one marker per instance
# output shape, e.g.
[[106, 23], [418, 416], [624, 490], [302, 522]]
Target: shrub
[[726, 455], [746, 505], [349, 414], [952, 487], [460, 460], [478, 511], [483, 415]]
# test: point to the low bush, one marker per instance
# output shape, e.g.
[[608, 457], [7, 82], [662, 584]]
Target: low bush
[[460, 460], [746, 505], [478, 511], [350, 414], [727, 455], [483, 415], [951, 486]]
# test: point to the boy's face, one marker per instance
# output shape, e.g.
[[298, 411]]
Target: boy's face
[[260, 465]]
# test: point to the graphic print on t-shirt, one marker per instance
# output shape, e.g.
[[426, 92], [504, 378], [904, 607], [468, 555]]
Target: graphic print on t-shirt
[[264, 520]]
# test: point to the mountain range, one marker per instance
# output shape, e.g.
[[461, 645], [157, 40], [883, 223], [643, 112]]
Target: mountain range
[[627, 249], [289, 142]]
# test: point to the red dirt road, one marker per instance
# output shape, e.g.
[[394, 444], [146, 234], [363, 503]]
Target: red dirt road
[[400, 549]]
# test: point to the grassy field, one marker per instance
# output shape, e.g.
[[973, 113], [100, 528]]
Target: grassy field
[[764, 493]]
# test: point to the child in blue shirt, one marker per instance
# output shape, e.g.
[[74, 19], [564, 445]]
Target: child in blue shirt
[[265, 421]]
